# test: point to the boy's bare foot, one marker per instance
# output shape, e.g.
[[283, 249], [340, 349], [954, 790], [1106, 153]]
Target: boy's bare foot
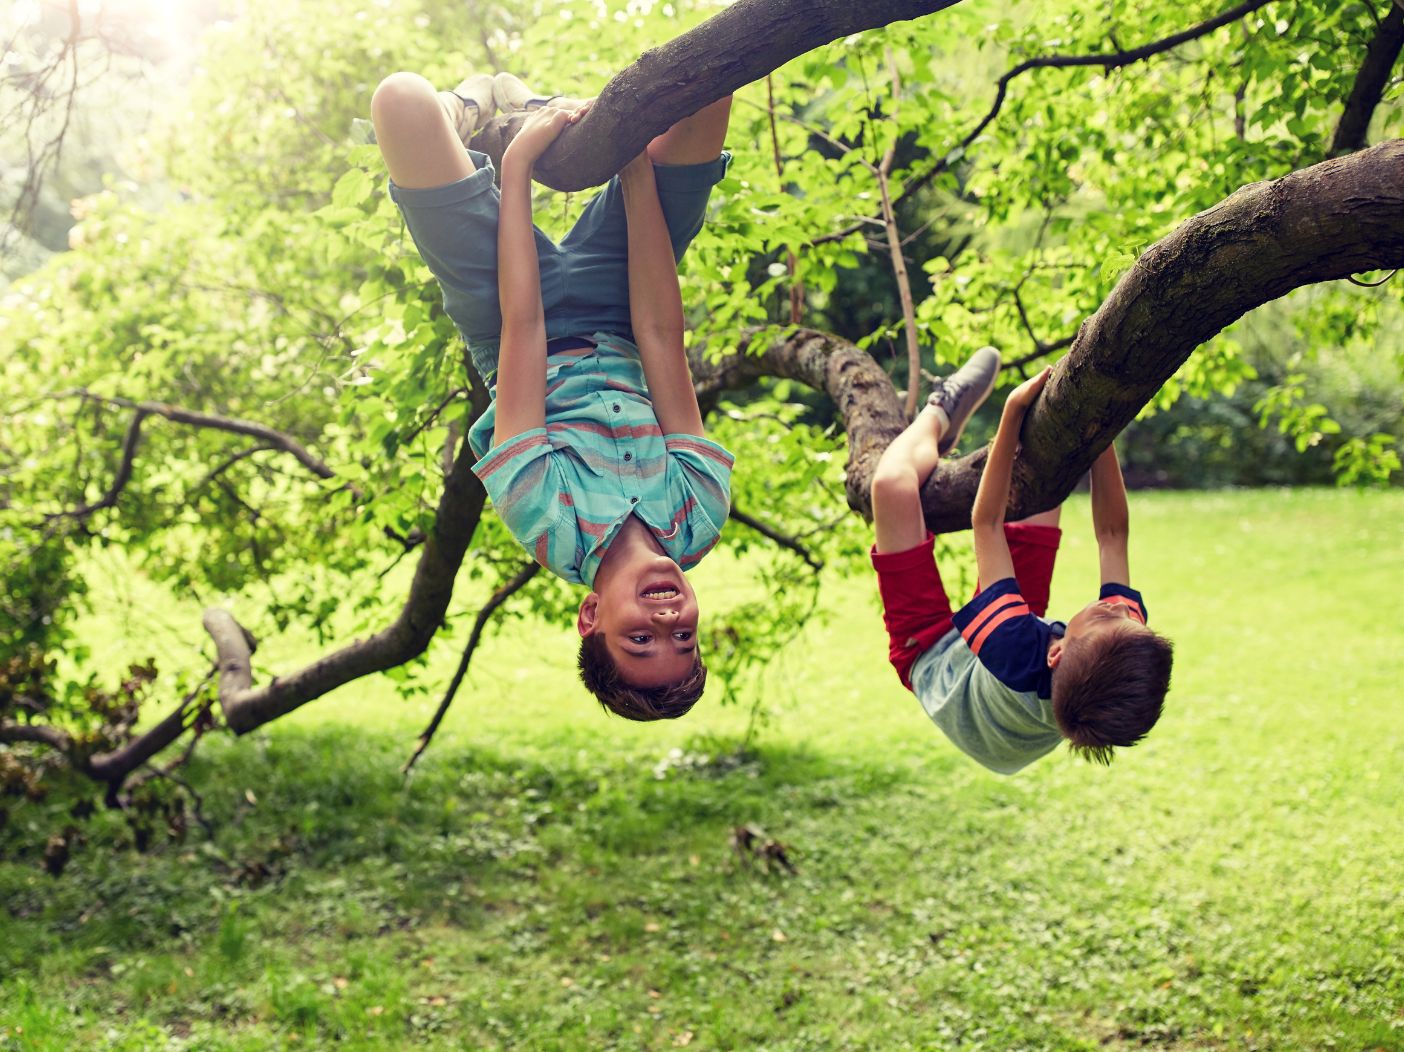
[[470, 105], [957, 396]]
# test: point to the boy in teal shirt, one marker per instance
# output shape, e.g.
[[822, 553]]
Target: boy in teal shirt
[[593, 449]]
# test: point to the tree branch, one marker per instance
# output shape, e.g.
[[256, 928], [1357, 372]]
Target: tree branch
[[272, 438], [1365, 94], [113, 767], [40, 734], [791, 263], [1107, 60], [247, 707], [525, 574], [119, 480], [1324, 223], [783, 540], [742, 43]]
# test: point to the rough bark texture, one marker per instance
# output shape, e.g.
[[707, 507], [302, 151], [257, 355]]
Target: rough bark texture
[[1370, 81], [860, 388], [1323, 223], [742, 43]]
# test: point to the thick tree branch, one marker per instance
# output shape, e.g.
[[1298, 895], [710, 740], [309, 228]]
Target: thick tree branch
[[1323, 223], [1107, 60], [859, 387], [511, 588], [741, 44], [247, 706], [1365, 94]]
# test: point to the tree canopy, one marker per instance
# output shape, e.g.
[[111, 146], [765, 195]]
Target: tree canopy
[[254, 396]]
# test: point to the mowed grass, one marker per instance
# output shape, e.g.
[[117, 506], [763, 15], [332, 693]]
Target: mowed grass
[[552, 879]]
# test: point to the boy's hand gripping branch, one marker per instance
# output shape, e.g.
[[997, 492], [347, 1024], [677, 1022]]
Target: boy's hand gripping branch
[[987, 516]]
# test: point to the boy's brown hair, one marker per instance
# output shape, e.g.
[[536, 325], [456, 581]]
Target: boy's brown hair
[[601, 678], [1108, 690]]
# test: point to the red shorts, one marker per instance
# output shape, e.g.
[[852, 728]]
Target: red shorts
[[914, 604]]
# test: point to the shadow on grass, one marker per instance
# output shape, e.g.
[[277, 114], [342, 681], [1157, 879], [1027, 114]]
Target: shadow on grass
[[320, 823]]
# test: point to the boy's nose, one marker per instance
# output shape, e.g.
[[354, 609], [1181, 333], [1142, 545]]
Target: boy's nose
[[665, 614]]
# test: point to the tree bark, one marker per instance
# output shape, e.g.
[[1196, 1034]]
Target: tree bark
[[1323, 223], [1365, 94], [742, 43]]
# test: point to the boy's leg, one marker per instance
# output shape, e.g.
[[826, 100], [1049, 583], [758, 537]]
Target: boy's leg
[[416, 128], [1033, 547], [913, 455], [896, 488], [915, 609], [696, 139], [449, 202]]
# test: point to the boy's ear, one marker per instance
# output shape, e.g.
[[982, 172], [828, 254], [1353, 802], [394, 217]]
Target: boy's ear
[[589, 614], [1055, 653]]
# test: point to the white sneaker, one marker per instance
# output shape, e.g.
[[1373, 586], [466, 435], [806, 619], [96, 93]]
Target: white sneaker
[[512, 95], [476, 95]]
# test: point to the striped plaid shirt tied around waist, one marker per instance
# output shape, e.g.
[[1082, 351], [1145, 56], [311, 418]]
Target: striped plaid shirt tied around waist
[[565, 490]]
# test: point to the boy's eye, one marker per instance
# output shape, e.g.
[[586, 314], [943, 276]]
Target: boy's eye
[[640, 640], [682, 637]]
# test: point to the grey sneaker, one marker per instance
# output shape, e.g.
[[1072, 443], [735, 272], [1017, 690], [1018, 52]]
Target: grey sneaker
[[961, 393], [475, 92]]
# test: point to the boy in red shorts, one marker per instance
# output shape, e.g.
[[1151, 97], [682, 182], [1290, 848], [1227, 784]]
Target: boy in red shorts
[[1004, 683]]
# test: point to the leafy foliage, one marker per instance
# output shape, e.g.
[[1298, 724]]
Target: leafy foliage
[[282, 289]]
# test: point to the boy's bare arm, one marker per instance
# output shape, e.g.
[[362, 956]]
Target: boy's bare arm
[[655, 304], [1110, 518], [992, 498], [521, 363]]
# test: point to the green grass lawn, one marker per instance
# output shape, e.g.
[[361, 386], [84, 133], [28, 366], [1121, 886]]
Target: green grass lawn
[[553, 879]]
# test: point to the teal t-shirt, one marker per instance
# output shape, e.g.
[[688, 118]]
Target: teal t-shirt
[[564, 490]]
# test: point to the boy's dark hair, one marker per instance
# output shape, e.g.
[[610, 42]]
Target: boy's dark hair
[[601, 678], [1108, 690]]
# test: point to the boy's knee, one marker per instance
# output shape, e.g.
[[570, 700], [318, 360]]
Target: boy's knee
[[892, 482], [400, 95]]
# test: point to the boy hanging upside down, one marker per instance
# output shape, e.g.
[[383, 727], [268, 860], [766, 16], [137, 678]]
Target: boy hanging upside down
[[1005, 684], [593, 448]]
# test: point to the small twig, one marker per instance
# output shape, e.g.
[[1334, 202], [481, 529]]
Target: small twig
[[434, 415], [1040, 347], [198, 801], [213, 421], [229, 462], [119, 481], [525, 574], [1373, 284], [796, 289], [783, 540]]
